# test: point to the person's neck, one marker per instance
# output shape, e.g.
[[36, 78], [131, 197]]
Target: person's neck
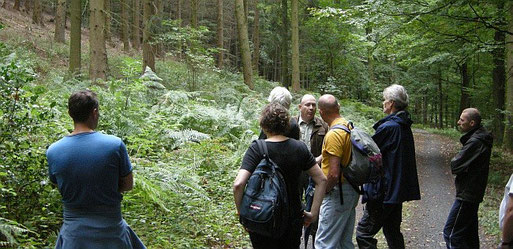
[[332, 118], [81, 128], [276, 138], [306, 121]]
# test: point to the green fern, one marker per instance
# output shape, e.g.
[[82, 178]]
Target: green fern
[[9, 230]]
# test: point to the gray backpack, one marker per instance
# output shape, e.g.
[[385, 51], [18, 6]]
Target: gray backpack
[[366, 163]]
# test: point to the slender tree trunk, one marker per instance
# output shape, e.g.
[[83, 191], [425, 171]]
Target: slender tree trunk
[[148, 50], [194, 13], [136, 33], [75, 37], [508, 133], [124, 25], [28, 5], [465, 81], [60, 19], [179, 10], [425, 108], [37, 11], [108, 18], [242, 27], [284, 44], [97, 49], [256, 39], [220, 35], [440, 100], [16, 4], [499, 82], [370, 56], [295, 46]]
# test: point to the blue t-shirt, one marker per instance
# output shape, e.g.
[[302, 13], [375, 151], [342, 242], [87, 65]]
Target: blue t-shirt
[[87, 167]]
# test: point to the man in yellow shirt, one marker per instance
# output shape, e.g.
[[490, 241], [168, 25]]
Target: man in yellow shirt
[[336, 219]]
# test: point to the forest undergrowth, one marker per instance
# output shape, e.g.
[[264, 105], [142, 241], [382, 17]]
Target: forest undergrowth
[[185, 142]]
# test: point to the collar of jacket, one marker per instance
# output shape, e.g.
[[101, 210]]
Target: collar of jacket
[[317, 121], [480, 133], [401, 117]]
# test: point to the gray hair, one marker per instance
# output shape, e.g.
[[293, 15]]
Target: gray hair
[[281, 96], [398, 94]]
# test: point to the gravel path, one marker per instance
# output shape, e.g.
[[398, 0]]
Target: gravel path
[[423, 220]]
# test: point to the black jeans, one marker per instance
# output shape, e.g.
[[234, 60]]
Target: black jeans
[[461, 228], [378, 215]]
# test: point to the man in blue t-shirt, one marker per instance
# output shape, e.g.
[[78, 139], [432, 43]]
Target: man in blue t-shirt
[[91, 171]]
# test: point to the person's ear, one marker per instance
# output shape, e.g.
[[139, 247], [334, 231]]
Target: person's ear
[[472, 123]]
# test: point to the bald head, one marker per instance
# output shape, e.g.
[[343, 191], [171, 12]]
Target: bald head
[[473, 114], [328, 104]]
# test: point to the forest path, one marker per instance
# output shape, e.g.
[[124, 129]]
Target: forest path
[[424, 220]]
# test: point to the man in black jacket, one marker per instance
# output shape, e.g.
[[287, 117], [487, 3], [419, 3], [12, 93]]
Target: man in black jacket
[[470, 166]]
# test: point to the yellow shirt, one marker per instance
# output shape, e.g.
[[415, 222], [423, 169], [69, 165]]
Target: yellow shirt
[[337, 142]]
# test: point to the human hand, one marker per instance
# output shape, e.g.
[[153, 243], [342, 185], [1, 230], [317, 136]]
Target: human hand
[[308, 218]]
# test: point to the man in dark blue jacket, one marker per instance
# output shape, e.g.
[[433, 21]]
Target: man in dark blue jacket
[[400, 183], [470, 166]]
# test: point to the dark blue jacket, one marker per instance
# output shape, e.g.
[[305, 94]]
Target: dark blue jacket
[[395, 140]]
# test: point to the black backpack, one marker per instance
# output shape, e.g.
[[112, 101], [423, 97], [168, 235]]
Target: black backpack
[[265, 209]]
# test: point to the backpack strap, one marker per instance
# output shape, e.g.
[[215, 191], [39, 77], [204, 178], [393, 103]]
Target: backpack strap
[[262, 147]]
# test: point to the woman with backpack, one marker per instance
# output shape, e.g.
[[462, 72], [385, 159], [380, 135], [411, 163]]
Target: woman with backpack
[[292, 157]]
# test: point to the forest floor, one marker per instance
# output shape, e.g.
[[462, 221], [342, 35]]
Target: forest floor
[[424, 220]]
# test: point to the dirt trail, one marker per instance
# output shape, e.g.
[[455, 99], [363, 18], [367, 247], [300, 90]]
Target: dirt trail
[[423, 220]]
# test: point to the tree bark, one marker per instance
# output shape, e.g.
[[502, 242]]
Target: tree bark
[[295, 46], [136, 32], [124, 25], [256, 39], [75, 37], [220, 35], [284, 44], [440, 100], [148, 50], [465, 81], [499, 82], [108, 17], [194, 13], [60, 24], [37, 11], [508, 133], [28, 5], [16, 4], [97, 49], [242, 28]]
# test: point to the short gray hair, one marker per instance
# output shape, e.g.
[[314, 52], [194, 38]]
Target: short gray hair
[[281, 96], [398, 94]]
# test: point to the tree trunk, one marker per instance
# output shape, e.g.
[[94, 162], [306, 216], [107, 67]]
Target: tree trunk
[[37, 11], [465, 81], [179, 10], [256, 39], [295, 46], [194, 13], [499, 82], [425, 108], [284, 44], [242, 27], [108, 18], [124, 25], [508, 133], [440, 100], [220, 35], [97, 49], [60, 24], [28, 5], [16, 4], [75, 37], [148, 50], [136, 33]]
